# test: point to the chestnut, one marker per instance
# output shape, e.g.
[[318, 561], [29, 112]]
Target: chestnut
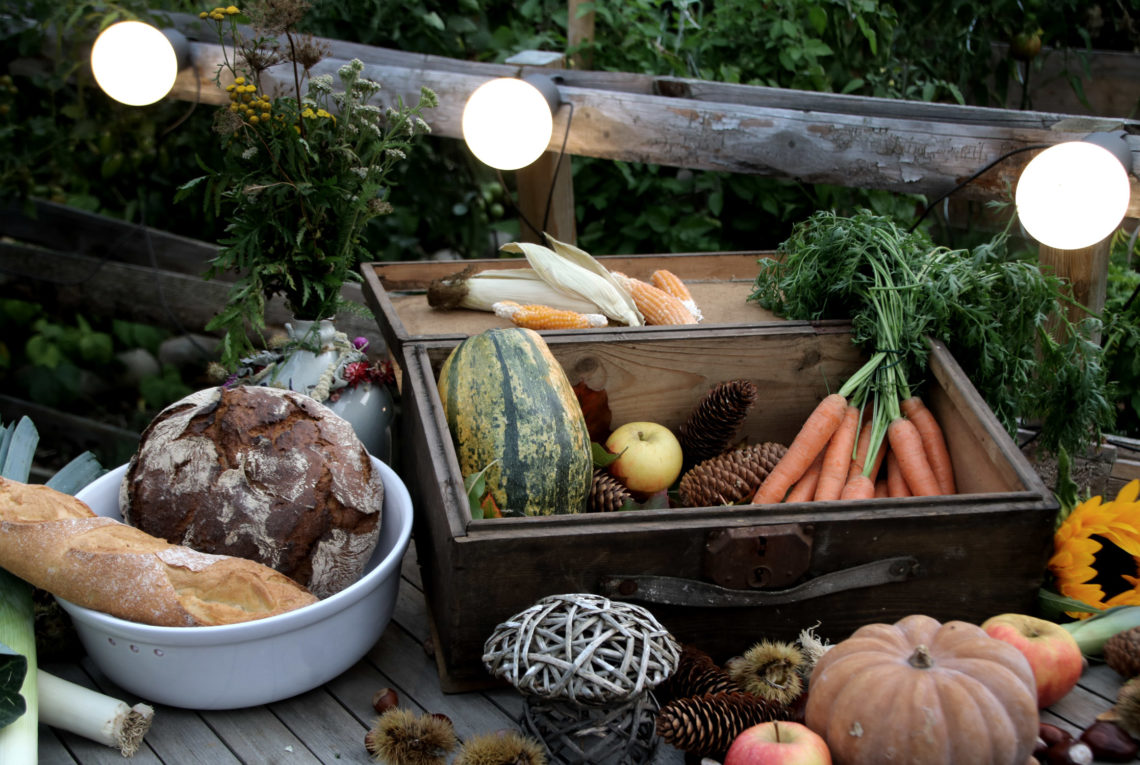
[[1109, 742], [1047, 736], [384, 699], [1071, 752]]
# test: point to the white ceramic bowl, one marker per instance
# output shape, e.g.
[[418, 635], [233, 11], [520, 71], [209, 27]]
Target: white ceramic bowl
[[257, 662]]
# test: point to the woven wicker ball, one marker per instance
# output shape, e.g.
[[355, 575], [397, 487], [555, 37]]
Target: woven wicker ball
[[584, 648], [574, 734]]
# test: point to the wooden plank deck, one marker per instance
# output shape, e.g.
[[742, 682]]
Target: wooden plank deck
[[328, 725]]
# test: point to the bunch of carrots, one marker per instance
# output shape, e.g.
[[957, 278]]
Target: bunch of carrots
[[832, 456], [874, 419]]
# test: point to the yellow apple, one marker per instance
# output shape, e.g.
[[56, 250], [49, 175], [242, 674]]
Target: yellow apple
[[649, 456]]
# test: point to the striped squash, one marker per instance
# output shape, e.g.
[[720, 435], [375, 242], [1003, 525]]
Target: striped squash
[[506, 398]]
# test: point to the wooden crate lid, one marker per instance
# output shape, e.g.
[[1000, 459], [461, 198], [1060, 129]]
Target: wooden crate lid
[[720, 282]]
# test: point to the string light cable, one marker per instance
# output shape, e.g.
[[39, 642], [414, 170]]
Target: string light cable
[[978, 174]]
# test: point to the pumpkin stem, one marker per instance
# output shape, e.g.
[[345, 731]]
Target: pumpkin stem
[[921, 658]]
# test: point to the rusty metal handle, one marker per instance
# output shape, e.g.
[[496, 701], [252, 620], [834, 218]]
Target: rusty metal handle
[[674, 591]]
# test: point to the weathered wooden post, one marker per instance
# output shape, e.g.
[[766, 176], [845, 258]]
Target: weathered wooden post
[[545, 187], [1086, 271], [580, 29]]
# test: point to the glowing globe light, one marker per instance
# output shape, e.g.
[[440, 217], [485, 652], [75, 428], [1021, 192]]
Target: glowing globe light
[[507, 123], [1072, 195], [134, 63]]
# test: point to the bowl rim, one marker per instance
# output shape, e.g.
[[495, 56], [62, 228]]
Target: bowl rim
[[396, 496]]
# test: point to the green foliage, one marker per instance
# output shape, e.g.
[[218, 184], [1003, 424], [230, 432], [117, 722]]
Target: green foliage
[[1122, 334], [73, 365], [299, 176], [61, 139]]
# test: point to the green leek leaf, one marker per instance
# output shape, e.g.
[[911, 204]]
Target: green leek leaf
[[13, 670]]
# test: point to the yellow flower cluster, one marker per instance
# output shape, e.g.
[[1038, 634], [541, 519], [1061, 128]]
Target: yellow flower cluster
[[310, 113], [1083, 535], [219, 14], [246, 101]]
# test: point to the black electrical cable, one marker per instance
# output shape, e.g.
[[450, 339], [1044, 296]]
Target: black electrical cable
[[539, 231], [972, 178]]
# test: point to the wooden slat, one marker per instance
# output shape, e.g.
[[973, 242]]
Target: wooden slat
[[256, 735], [70, 230], [183, 303], [52, 750], [870, 143], [403, 658], [329, 731]]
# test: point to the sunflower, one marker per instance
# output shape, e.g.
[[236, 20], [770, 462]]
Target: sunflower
[[1094, 547]]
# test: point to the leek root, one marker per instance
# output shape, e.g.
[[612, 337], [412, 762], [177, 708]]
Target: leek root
[[91, 714]]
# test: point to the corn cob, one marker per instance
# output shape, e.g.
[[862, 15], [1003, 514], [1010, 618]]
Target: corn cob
[[657, 306], [667, 281], [537, 317], [479, 290]]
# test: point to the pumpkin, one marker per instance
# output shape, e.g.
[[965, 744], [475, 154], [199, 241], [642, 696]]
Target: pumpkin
[[512, 412], [924, 693]]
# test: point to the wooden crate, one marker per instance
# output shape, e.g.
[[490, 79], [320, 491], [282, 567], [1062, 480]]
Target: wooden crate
[[396, 292], [722, 578]]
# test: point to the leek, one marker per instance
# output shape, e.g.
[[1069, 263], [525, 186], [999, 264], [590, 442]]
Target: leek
[[19, 740], [1092, 633]]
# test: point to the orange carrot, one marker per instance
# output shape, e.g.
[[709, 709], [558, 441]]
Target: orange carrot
[[859, 461], [896, 484], [861, 446], [933, 442], [906, 445], [881, 490], [837, 457], [858, 486], [809, 442], [803, 490]]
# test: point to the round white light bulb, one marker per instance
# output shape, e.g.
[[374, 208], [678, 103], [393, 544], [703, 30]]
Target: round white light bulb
[[1072, 195], [134, 63], [507, 123]]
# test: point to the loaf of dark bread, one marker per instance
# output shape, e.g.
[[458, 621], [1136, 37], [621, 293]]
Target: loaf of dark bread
[[258, 473]]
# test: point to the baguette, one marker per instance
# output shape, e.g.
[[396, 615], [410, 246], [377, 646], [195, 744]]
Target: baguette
[[55, 542]]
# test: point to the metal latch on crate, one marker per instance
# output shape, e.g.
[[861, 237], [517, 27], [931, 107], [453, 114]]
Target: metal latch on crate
[[757, 557]]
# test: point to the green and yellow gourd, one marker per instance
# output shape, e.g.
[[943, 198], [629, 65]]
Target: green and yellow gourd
[[508, 402]]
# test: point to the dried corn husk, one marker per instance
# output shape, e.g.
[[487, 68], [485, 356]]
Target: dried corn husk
[[581, 278], [582, 258]]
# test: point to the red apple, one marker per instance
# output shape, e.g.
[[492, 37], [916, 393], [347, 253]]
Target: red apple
[[649, 456], [778, 743], [1052, 652]]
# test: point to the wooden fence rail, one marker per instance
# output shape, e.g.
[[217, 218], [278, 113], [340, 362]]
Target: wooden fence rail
[[873, 143]]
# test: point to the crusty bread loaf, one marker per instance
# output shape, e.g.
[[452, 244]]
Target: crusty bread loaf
[[260, 473], [55, 542]]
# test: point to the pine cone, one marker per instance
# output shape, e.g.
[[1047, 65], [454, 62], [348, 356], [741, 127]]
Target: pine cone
[[607, 493], [730, 478], [716, 419], [696, 674], [1122, 652], [708, 724]]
